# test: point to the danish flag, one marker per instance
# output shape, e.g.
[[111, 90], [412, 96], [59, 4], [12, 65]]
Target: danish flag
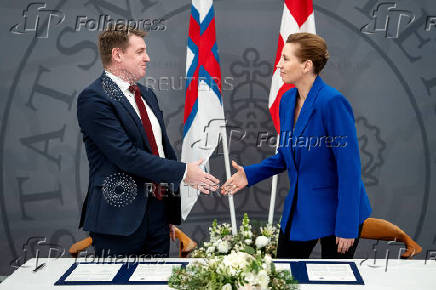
[[297, 17]]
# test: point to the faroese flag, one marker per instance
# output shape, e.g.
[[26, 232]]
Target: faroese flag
[[204, 114]]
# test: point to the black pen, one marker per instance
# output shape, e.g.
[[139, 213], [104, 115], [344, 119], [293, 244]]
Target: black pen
[[39, 267]]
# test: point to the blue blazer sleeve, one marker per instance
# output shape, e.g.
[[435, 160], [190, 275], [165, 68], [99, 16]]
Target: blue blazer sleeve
[[268, 167], [339, 121], [98, 120]]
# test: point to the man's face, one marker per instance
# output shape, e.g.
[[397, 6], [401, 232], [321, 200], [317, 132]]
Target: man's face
[[133, 60]]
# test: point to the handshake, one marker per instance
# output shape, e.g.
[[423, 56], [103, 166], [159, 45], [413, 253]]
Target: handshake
[[205, 182]]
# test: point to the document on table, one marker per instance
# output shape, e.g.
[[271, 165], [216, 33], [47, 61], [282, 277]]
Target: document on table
[[330, 272], [94, 272], [153, 272]]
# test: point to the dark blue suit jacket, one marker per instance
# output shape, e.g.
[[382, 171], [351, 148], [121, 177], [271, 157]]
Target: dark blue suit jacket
[[118, 151], [321, 156]]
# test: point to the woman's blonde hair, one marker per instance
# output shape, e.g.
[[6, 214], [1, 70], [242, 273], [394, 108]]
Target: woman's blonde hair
[[311, 47]]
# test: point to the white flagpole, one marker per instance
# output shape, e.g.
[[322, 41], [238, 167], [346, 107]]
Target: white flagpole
[[229, 174], [274, 182]]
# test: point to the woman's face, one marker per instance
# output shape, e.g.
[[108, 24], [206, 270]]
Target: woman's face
[[291, 68]]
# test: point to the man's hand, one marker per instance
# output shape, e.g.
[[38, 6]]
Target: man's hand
[[198, 179], [344, 244], [235, 183]]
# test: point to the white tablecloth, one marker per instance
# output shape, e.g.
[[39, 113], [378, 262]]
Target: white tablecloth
[[401, 274]]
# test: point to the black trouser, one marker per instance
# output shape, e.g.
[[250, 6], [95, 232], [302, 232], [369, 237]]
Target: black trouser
[[287, 249], [301, 249], [151, 239]]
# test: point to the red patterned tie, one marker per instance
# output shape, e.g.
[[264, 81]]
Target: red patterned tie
[[158, 191]]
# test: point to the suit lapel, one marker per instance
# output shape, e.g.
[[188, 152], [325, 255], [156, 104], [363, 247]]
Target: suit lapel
[[112, 90], [126, 104], [290, 113], [308, 108], [286, 127]]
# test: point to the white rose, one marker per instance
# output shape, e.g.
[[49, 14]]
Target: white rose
[[263, 279], [268, 259], [250, 279], [236, 261], [267, 265], [197, 263], [247, 241], [210, 250], [213, 261], [223, 247], [261, 241], [227, 287]]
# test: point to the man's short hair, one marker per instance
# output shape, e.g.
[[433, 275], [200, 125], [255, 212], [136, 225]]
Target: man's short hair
[[115, 36]]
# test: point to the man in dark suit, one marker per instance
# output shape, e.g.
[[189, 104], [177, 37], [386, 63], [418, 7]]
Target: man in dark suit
[[134, 177]]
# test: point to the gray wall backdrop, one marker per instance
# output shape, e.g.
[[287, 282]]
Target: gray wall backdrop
[[386, 71]]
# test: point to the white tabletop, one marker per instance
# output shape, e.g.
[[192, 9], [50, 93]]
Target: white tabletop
[[400, 274]]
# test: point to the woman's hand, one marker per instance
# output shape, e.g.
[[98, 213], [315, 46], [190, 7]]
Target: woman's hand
[[172, 232], [235, 183], [344, 244]]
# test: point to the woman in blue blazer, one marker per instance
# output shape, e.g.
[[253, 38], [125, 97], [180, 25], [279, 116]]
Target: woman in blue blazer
[[320, 151]]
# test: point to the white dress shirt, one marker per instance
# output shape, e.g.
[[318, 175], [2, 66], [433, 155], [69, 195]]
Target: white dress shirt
[[157, 131]]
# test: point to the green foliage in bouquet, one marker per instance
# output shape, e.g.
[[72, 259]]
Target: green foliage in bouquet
[[248, 240], [237, 270], [243, 261]]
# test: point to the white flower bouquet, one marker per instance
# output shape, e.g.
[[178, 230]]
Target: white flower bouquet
[[223, 242], [237, 270], [230, 262]]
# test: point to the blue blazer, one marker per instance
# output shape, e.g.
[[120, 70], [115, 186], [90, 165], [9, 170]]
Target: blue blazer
[[116, 143], [321, 156]]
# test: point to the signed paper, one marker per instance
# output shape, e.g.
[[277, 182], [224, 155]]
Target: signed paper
[[153, 272], [330, 272], [94, 272]]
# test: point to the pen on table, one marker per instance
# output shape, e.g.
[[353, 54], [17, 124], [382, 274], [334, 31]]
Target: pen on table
[[39, 267]]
